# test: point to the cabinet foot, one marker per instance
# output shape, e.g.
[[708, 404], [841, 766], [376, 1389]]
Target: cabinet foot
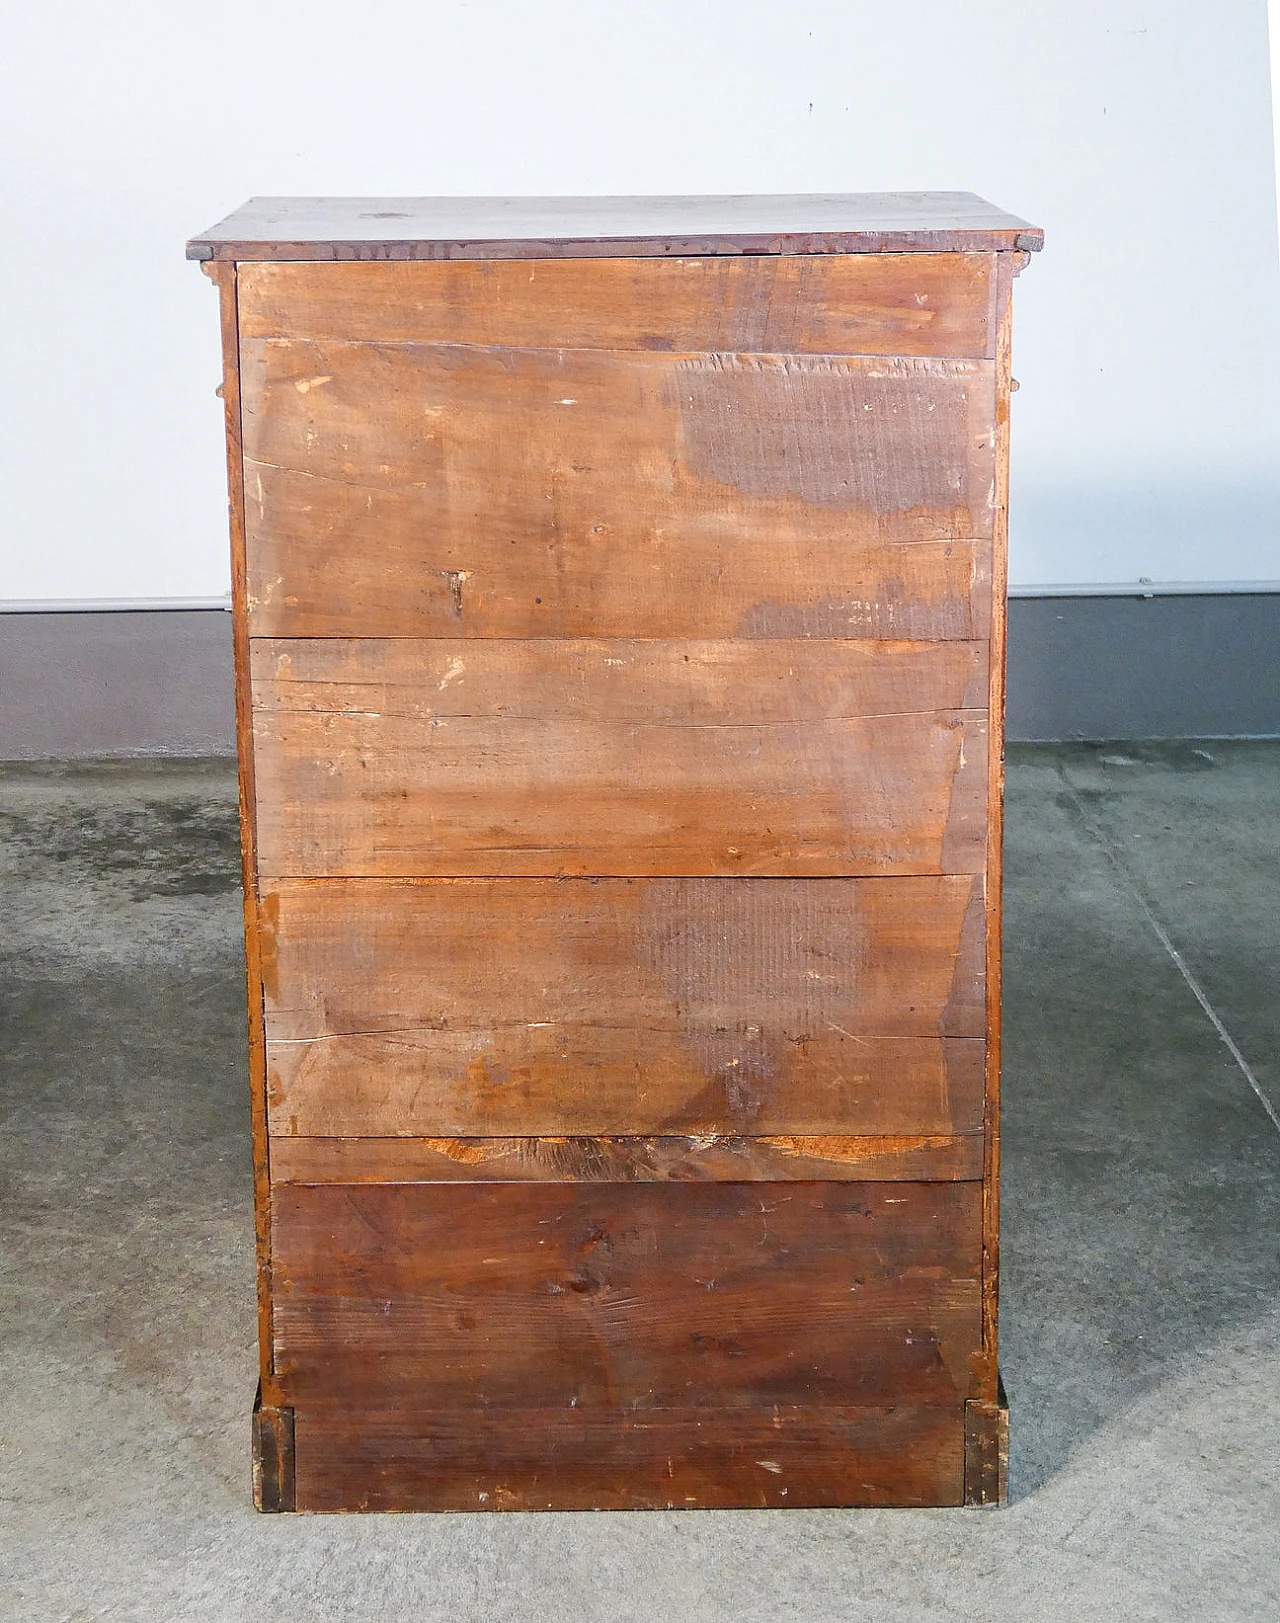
[[273, 1472], [986, 1451]]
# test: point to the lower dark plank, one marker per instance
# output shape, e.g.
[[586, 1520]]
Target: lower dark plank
[[436, 1298], [622, 1160], [561, 1459]]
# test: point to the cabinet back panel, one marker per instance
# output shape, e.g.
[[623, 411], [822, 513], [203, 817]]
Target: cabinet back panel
[[619, 648]]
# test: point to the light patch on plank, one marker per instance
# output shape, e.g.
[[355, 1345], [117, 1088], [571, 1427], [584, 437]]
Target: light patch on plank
[[454, 670]]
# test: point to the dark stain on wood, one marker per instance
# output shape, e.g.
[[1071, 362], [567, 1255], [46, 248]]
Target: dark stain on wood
[[891, 438]]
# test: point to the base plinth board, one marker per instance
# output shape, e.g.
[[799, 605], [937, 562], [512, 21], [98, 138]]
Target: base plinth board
[[542, 1459]]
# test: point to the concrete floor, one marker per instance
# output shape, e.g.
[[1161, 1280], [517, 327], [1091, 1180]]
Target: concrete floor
[[1141, 1306]]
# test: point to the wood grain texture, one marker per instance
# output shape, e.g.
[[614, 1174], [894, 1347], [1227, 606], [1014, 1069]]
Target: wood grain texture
[[624, 1160], [542, 228], [625, 681], [455, 490], [548, 1078], [502, 1008], [626, 1297], [870, 304], [404, 757], [557, 1459]]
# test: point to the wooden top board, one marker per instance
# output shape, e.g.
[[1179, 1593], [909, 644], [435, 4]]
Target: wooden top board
[[305, 228]]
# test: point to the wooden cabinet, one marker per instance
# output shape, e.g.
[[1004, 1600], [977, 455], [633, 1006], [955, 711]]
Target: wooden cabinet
[[619, 607]]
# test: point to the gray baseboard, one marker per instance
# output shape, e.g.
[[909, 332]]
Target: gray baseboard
[[152, 682], [1205, 666], [159, 682]]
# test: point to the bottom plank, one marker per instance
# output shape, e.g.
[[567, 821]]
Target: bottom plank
[[557, 1459]]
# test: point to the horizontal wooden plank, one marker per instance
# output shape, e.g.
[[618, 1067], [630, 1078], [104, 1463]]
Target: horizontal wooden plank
[[334, 560], [640, 1296], [868, 304], [454, 490], [562, 1459], [650, 1006], [387, 796], [622, 1160], [397, 758], [554, 1077], [707, 682]]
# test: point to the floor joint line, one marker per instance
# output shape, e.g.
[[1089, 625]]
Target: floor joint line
[[1162, 935]]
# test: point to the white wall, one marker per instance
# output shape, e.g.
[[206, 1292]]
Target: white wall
[[1138, 134]]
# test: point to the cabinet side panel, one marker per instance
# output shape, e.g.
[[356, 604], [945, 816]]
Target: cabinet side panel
[[224, 275]]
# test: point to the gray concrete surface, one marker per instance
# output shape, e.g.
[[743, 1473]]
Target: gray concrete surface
[[1142, 1270]]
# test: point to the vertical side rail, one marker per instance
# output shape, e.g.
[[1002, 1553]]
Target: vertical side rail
[[223, 273], [986, 1451], [995, 836]]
